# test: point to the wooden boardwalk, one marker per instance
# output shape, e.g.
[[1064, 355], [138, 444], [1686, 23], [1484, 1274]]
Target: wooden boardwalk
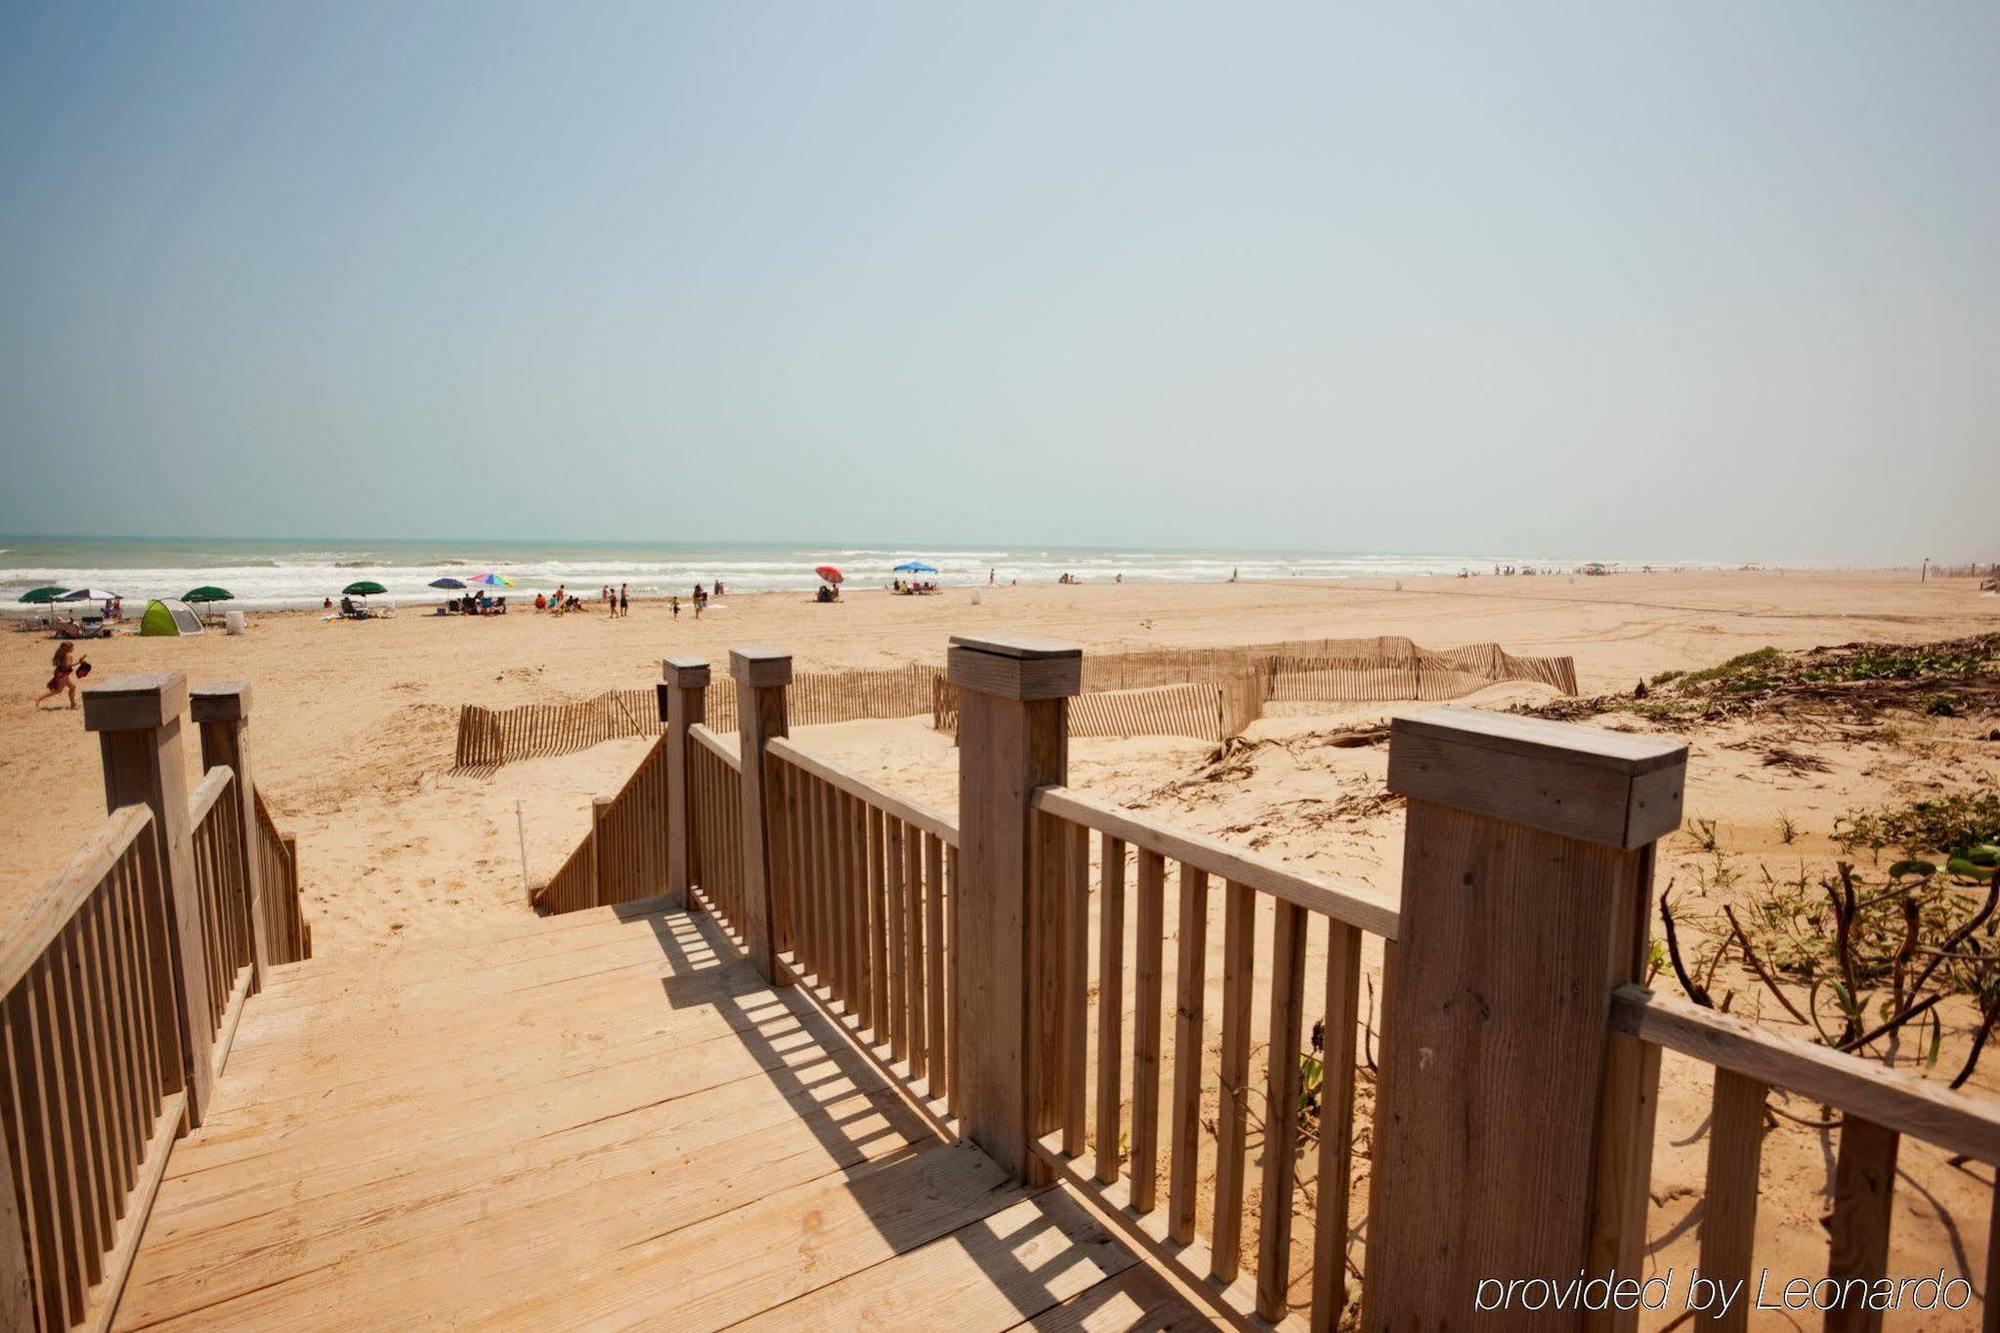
[[598, 1120]]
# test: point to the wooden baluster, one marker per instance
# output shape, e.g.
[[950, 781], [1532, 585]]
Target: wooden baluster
[[865, 920], [885, 933], [1340, 1036], [915, 1029], [1729, 1203], [1864, 1184], [1006, 933], [891, 984], [848, 895], [1075, 946], [1149, 941], [1239, 964], [1110, 1005], [1189, 996], [827, 962], [1281, 1111], [934, 963], [954, 981]]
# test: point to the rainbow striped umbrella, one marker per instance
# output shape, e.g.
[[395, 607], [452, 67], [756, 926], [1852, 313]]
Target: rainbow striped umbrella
[[490, 580]]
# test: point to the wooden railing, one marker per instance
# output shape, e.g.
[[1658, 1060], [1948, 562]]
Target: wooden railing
[[715, 787], [95, 1090], [223, 892], [1878, 1107], [1088, 1151], [1012, 969], [278, 858], [121, 984], [862, 907]]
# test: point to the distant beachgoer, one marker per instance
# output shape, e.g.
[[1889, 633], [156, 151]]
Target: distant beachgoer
[[541, 602], [676, 603], [624, 599], [1232, 573], [992, 576], [1120, 578], [718, 587], [67, 669]]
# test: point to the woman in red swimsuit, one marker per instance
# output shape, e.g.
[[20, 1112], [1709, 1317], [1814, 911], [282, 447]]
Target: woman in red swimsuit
[[65, 675]]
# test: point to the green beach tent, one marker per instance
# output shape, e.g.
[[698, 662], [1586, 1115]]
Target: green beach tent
[[169, 618]]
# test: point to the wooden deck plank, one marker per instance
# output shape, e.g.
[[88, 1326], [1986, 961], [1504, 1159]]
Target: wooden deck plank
[[990, 1274], [1137, 1298]]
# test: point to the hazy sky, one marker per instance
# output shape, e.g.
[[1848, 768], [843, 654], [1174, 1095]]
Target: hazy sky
[[1714, 280]]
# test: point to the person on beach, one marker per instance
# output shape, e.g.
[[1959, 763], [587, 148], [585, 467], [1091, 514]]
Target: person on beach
[[624, 600], [676, 602], [67, 668]]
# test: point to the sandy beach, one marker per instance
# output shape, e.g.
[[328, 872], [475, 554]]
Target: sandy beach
[[354, 721], [353, 727]]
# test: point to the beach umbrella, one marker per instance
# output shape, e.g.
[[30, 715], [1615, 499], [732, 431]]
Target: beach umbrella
[[915, 567], [363, 588], [86, 595], [829, 573], [447, 583], [208, 592], [42, 596], [491, 580]]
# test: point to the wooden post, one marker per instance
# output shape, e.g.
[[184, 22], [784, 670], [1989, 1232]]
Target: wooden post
[[1513, 1133], [223, 714], [761, 675], [601, 875], [138, 721], [683, 698], [1013, 738]]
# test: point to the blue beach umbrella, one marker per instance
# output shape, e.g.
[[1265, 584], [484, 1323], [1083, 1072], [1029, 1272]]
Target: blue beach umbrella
[[447, 583], [915, 567]]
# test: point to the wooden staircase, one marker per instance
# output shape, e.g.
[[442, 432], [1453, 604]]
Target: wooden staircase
[[599, 1119]]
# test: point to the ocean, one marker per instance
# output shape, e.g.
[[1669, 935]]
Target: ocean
[[269, 575]]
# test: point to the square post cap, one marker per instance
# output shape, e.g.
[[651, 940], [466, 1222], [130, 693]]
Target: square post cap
[[760, 667], [134, 703], [685, 673], [1587, 783], [228, 701], [1023, 669]]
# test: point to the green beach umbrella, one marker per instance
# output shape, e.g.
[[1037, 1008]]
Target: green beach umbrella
[[208, 592], [42, 596], [364, 588]]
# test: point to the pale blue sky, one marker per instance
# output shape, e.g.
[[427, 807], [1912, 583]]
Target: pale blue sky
[[1707, 279]]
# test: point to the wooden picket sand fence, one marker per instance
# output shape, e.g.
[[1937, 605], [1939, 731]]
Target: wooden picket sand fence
[[1214, 694], [986, 964], [121, 988], [489, 737], [1207, 693]]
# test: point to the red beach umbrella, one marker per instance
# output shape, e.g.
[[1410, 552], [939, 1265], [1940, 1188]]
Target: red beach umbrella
[[829, 573]]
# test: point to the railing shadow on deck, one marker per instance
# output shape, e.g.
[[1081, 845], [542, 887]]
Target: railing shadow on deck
[[1046, 1251]]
